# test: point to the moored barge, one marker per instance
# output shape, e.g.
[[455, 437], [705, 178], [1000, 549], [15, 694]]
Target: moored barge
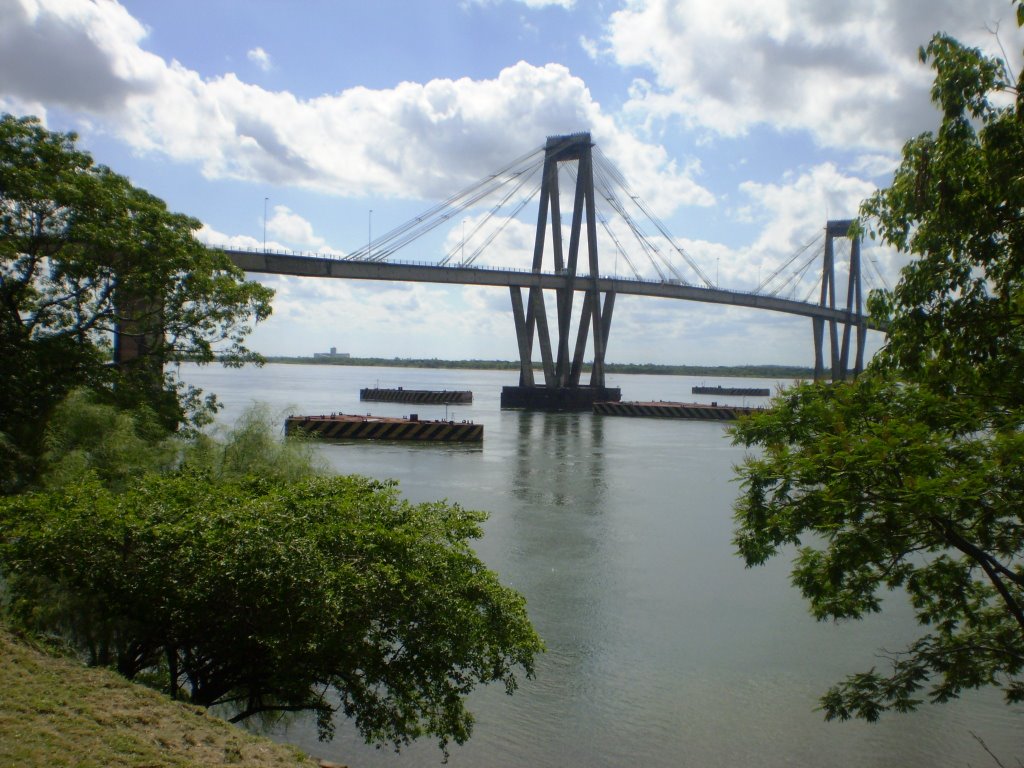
[[424, 396], [343, 426], [732, 391], [669, 410]]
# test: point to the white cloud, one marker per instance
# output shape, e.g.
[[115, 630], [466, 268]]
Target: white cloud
[[212, 237], [847, 73], [295, 230], [413, 140], [817, 194], [788, 216], [77, 54], [260, 58], [590, 47], [875, 165]]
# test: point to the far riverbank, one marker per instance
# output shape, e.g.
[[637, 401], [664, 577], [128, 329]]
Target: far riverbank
[[745, 371]]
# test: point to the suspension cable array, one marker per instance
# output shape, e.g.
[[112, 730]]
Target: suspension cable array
[[387, 244], [514, 186]]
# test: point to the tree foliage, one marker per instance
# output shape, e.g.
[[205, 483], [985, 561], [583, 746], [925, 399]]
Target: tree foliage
[[83, 254], [269, 588], [911, 477]]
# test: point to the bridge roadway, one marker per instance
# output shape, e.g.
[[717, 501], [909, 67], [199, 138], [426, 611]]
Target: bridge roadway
[[302, 265]]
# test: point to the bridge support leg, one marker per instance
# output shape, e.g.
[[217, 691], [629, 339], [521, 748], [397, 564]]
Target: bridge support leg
[[854, 305], [818, 329], [601, 340], [524, 335], [541, 318]]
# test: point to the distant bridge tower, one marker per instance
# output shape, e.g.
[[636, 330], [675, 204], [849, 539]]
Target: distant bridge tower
[[562, 389], [854, 324]]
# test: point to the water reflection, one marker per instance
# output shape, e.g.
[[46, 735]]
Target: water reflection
[[559, 460], [557, 505]]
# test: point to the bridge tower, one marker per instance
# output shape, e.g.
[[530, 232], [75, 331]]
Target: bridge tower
[[561, 389], [853, 326]]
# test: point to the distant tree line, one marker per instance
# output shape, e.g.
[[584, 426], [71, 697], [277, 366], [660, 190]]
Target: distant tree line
[[749, 371]]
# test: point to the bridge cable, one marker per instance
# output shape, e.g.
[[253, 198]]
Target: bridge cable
[[487, 218], [608, 195], [509, 171], [794, 257], [381, 248], [648, 248], [798, 273], [476, 195], [494, 234], [659, 225], [881, 277], [815, 287]]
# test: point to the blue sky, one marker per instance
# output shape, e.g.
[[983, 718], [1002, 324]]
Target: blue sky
[[744, 125]]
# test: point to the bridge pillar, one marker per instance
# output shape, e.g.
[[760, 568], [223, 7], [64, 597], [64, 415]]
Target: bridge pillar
[[561, 389], [853, 326]]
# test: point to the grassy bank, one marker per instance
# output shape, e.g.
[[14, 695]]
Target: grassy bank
[[56, 712]]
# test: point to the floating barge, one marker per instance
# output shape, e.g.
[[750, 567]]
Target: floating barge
[[670, 410], [342, 426], [732, 391], [424, 396]]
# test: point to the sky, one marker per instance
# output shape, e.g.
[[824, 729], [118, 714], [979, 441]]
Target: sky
[[316, 126]]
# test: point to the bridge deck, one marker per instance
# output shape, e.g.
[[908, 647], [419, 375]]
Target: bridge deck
[[334, 267]]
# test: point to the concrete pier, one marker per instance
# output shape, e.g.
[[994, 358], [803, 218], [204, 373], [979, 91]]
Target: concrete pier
[[579, 398]]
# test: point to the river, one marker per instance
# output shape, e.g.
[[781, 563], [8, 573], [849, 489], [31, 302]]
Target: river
[[662, 649]]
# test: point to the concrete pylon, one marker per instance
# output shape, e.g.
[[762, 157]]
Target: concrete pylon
[[854, 326], [562, 389]]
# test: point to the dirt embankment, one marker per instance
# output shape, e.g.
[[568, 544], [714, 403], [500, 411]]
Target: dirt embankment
[[56, 712]]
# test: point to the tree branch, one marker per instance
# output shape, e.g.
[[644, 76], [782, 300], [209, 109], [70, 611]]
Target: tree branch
[[992, 567]]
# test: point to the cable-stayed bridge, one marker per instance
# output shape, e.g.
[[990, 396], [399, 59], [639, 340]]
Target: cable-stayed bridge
[[604, 216]]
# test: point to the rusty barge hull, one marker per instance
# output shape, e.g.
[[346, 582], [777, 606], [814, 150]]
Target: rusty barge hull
[[343, 426], [670, 410], [732, 391], [424, 396]]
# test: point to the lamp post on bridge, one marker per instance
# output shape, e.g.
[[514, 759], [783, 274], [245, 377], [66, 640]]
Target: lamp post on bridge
[[369, 235], [265, 199]]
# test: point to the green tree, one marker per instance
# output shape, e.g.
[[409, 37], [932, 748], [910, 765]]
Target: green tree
[[87, 438], [911, 477], [265, 590], [83, 254]]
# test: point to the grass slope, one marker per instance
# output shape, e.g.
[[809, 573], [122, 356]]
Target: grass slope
[[56, 712]]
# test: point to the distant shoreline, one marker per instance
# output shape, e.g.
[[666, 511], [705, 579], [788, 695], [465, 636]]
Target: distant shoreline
[[740, 371]]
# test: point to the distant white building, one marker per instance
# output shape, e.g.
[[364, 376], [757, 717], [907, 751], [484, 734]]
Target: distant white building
[[334, 353]]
